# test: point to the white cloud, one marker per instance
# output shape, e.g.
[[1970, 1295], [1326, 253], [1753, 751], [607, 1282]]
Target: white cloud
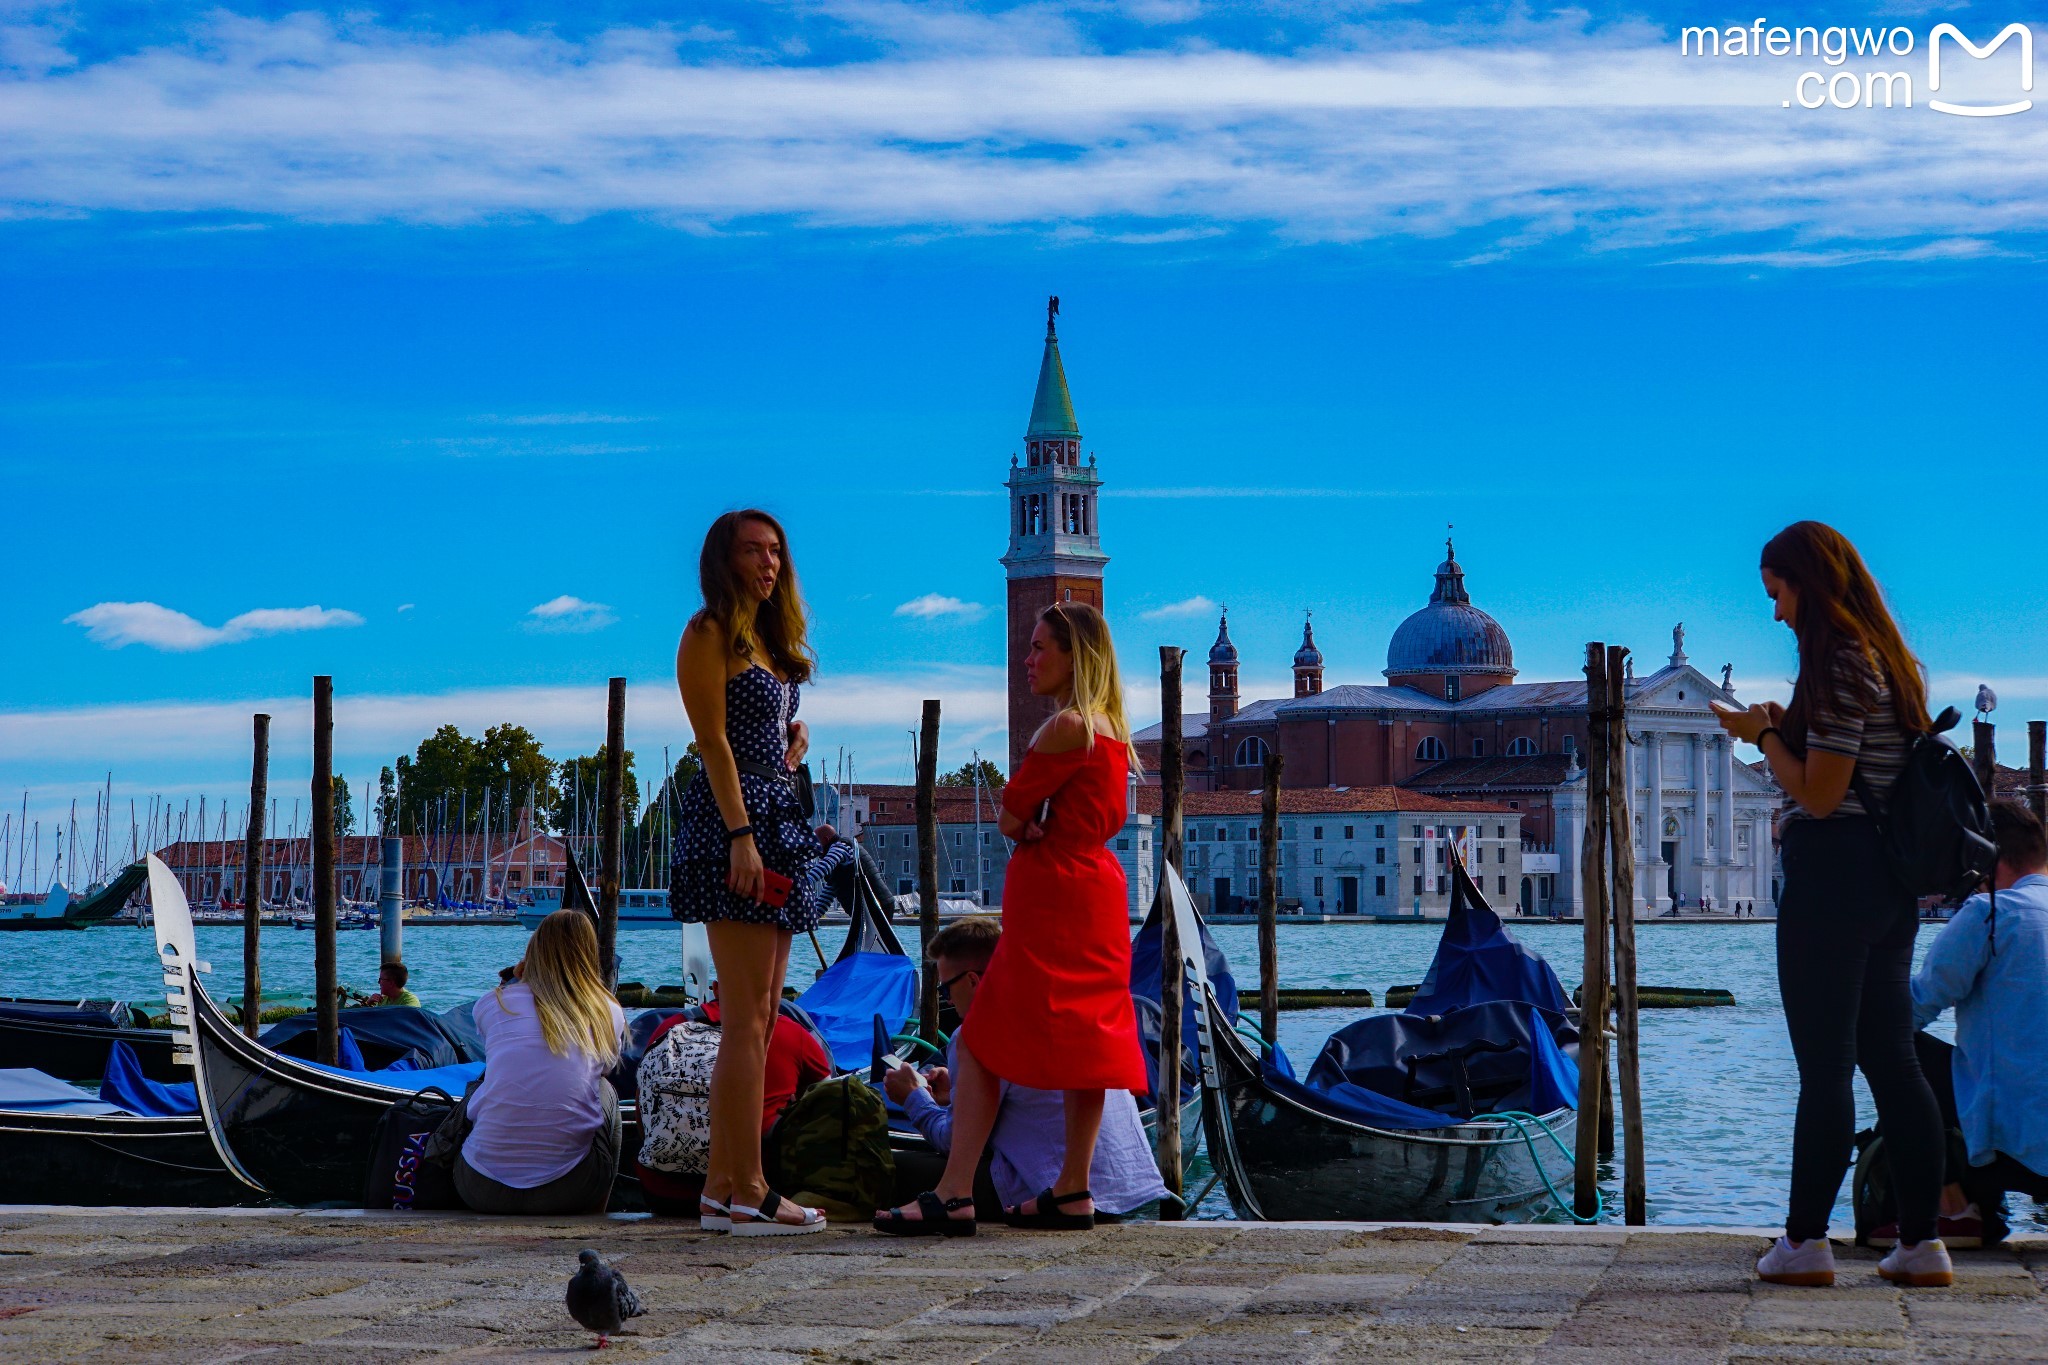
[[559, 419], [566, 615], [1529, 131], [1197, 605], [932, 606], [405, 606], [119, 624]]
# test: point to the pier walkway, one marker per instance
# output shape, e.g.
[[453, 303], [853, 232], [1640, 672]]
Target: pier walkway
[[122, 1285]]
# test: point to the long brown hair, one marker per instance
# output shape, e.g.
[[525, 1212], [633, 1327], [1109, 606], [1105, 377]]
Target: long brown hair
[[568, 988], [1080, 630], [1839, 606], [777, 628]]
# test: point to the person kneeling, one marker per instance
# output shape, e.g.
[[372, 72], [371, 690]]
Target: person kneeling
[[1027, 1146], [1990, 963], [545, 1134]]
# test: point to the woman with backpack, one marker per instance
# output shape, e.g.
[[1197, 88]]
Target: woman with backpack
[[1846, 922], [1053, 1010], [746, 862], [545, 1123]]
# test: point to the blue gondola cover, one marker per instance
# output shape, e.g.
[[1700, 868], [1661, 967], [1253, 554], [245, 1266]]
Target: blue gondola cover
[[25, 1090], [125, 1085], [844, 1001], [1401, 1071], [1478, 960]]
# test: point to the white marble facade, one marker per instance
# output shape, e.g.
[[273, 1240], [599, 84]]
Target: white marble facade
[[1702, 820]]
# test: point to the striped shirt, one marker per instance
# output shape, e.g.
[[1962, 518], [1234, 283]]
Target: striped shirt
[[1853, 717]]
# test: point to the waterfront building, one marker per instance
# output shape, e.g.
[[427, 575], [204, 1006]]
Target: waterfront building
[[1453, 721]]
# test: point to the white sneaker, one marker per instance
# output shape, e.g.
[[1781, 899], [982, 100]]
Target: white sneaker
[[1810, 1263], [1925, 1266]]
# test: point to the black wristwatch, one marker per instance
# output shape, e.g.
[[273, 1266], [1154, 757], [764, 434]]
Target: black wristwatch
[[733, 836]]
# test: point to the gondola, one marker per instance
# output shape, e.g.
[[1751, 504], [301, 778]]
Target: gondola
[[80, 1151], [70, 1039], [1288, 1150]]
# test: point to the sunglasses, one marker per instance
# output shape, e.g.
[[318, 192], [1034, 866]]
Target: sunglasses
[[949, 982]]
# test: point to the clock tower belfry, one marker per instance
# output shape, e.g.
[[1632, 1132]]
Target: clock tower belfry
[[1055, 550]]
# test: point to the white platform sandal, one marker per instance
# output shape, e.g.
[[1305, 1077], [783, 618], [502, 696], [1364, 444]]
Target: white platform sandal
[[762, 1222]]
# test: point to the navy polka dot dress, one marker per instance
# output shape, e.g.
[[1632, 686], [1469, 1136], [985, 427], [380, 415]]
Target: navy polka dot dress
[[758, 710]]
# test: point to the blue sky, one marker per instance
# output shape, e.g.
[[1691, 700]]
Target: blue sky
[[457, 323]]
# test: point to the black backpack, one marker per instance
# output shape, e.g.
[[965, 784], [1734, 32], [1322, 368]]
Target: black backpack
[[406, 1171], [1935, 821]]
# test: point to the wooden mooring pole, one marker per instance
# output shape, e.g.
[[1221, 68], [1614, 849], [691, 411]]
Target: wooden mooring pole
[[1172, 781], [928, 869], [327, 1006], [611, 818], [1984, 754], [2037, 768], [1621, 849], [1593, 991], [1269, 902], [252, 881]]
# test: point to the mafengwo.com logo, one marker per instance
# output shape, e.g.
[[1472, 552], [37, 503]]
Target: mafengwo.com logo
[[1854, 56]]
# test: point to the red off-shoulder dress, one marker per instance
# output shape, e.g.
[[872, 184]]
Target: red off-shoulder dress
[[1053, 1011]]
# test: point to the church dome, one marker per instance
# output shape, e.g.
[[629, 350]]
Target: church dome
[[1308, 656], [1223, 651], [1450, 635]]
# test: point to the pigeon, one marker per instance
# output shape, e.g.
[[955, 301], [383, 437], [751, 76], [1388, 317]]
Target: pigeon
[[600, 1299], [1987, 700]]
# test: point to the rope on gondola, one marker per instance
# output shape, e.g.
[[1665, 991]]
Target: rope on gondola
[[153, 1161], [1521, 1122]]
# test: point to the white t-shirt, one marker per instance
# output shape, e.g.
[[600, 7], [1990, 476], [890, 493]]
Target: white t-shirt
[[535, 1112]]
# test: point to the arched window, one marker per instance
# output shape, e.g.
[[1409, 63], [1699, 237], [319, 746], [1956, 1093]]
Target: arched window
[[1521, 746], [1251, 752], [1431, 750]]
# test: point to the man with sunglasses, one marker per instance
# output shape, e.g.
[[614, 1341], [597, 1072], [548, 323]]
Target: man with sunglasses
[[1029, 1139]]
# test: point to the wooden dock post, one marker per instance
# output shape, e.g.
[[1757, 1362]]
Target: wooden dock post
[[1984, 755], [1172, 781], [2037, 768], [1621, 850], [252, 881], [1269, 902], [326, 1006], [611, 832], [1593, 991], [928, 869]]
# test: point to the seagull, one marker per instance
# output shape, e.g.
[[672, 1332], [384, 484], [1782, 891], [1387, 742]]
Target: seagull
[[1987, 700], [599, 1298]]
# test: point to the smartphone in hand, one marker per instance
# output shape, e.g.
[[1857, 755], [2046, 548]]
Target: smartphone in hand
[[775, 888]]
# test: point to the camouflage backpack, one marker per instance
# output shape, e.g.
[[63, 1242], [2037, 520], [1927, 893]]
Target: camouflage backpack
[[830, 1149]]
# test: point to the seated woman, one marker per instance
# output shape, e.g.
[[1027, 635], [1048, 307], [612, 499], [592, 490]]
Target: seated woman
[[545, 1138]]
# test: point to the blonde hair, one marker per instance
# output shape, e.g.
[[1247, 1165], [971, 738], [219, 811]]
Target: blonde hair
[[569, 992], [776, 628], [1098, 687]]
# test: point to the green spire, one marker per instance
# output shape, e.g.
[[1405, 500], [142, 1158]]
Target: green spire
[[1052, 408]]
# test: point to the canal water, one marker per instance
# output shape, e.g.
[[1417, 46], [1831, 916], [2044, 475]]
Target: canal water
[[1718, 1084]]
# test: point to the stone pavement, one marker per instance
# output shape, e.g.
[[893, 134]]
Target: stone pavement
[[278, 1286]]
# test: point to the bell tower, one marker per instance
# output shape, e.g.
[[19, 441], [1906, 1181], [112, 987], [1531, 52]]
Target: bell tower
[[1055, 551]]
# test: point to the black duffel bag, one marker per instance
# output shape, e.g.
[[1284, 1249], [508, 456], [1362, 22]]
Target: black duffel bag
[[412, 1156]]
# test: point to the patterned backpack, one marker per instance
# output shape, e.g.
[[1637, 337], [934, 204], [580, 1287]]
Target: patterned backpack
[[675, 1098]]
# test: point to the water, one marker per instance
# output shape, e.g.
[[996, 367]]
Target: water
[[1718, 1084]]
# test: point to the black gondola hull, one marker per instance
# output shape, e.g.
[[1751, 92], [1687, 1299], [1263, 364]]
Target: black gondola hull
[[99, 1161], [78, 1052]]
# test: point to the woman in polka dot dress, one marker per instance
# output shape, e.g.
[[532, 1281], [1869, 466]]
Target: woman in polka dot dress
[[747, 864]]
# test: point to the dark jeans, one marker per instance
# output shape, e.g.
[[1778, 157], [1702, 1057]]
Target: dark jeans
[[1985, 1186], [584, 1188], [1845, 965]]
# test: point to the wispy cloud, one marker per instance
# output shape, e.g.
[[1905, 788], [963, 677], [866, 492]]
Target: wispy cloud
[[1197, 605], [566, 615], [558, 419], [119, 624], [1524, 133], [935, 606]]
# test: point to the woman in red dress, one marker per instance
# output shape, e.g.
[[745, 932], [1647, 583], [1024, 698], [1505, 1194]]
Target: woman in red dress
[[1053, 1011]]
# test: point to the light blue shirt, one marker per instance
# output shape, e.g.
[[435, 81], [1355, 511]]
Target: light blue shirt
[[2001, 1005], [1030, 1137]]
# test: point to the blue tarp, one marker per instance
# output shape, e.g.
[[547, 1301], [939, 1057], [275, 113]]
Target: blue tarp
[[26, 1090], [1478, 960], [388, 1032], [125, 1085], [1147, 969], [844, 1001], [1405, 1071], [453, 1079]]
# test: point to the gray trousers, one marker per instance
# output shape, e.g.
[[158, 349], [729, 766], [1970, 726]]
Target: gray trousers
[[585, 1188]]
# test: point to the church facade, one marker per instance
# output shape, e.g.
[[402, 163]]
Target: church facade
[[1453, 720]]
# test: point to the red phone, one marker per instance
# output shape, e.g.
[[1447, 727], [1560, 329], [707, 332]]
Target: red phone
[[775, 888]]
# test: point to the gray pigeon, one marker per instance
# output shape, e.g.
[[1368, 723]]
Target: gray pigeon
[[599, 1298]]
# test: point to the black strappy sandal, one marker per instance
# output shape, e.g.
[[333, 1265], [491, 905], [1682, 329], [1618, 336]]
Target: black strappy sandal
[[1049, 1218], [938, 1220]]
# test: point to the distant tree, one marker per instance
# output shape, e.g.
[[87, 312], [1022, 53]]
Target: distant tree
[[450, 773], [579, 782], [991, 776], [387, 801], [344, 807]]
